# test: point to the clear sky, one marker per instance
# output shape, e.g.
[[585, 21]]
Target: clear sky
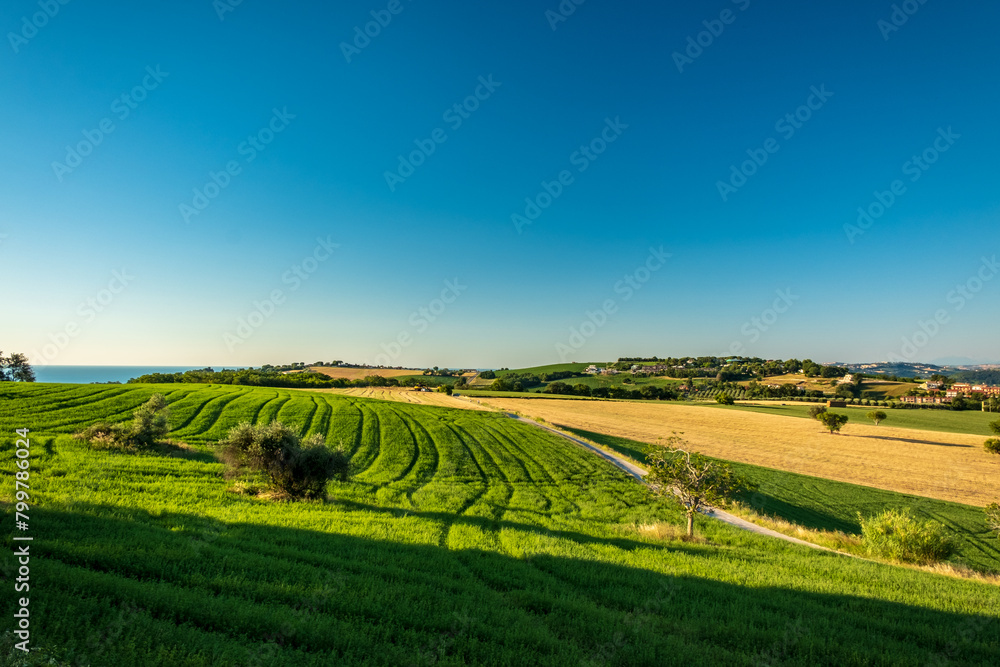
[[203, 183]]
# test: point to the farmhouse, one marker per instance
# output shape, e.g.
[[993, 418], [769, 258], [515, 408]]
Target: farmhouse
[[934, 400], [965, 389]]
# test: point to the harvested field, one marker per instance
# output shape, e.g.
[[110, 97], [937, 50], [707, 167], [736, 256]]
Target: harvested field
[[361, 373], [947, 466], [405, 395]]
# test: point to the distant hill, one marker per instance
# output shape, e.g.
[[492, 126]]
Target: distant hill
[[901, 369], [978, 377]]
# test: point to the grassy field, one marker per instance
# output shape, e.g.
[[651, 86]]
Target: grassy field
[[824, 504], [464, 537], [972, 422], [942, 465], [551, 368]]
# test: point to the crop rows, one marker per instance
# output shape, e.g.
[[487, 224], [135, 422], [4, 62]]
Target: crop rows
[[463, 537]]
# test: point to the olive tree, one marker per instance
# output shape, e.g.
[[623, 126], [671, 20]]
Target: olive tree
[[832, 421], [300, 469], [877, 416]]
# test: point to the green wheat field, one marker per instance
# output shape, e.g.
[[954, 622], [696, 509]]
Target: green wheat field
[[462, 538]]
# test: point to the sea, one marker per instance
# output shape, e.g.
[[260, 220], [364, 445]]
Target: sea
[[88, 374]]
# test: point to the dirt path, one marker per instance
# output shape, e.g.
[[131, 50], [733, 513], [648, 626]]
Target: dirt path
[[639, 473]]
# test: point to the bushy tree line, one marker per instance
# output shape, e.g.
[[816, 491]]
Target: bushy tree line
[[269, 378], [16, 368]]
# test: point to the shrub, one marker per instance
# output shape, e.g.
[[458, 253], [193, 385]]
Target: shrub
[[298, 469], [993, 517], [897, 536], [723, 398], [150, 423], [992, 445]]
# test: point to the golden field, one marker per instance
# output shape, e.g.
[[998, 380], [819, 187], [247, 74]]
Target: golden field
[[361, 373], [947, 466], [405, 395]]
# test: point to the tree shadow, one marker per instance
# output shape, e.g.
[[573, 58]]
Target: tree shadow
[[911, 440], [122, 583]]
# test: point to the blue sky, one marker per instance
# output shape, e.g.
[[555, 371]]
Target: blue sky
[[201, 90]]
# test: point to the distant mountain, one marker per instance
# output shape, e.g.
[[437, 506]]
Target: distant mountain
[[962, 361], [968, 372]]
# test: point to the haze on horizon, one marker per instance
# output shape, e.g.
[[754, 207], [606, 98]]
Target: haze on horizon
[[498, 185]]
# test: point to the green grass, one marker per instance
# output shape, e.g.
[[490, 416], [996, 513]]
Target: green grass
[[824, 504], [946, 421], [464, 538], [552, 368]]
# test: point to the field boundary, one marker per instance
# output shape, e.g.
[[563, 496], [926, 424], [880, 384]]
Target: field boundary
[[638, 472]]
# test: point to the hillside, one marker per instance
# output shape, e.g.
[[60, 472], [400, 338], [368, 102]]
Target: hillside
[[464, 537], [947, 466], [360, 373]]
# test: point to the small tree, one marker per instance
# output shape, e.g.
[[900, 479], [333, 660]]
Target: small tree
[[722, 398], [995, 427], [299, 469], [832, 421], [16, 368], [993, 517], [689, 477], [877, 416], [816, 410], [992, 445]]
